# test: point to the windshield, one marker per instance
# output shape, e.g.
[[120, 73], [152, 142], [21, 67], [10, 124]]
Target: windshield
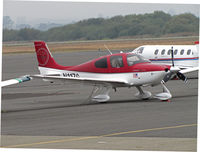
[[135, 58]]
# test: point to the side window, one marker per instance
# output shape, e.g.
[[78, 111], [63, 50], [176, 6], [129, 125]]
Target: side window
[[182, 52], [188, 52], [156, 52], [101, 63], [163, 52], [169, 52], [175, 52], [116, 61]]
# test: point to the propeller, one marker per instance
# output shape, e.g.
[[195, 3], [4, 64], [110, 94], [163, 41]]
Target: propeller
[[172, 55], [174, 70]]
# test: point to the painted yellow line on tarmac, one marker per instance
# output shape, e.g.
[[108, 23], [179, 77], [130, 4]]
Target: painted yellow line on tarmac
[[50, 142], [145, 130], [95, 137]]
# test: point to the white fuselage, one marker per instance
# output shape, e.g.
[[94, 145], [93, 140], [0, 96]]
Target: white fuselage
[[184, 55], [131, 79]]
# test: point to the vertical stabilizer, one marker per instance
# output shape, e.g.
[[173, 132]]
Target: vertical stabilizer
[[197, 45], [44, 56]]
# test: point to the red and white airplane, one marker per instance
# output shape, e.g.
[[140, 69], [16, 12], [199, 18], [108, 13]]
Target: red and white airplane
[[106, 73]]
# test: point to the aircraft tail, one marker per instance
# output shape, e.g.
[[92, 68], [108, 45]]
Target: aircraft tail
[[44, 56], [197, 45]]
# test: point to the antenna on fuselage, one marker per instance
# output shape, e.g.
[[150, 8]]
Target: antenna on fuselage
[[108, 49], [99, 51]]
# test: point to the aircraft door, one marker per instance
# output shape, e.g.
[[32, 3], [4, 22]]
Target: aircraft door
[[117, 64]]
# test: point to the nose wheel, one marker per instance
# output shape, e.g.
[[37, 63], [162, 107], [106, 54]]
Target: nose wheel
[[165, 95]]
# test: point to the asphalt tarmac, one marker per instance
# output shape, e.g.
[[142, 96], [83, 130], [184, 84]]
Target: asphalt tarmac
[[44, 115]]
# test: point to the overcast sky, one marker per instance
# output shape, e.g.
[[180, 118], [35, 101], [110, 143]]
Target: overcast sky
[[40, 11]]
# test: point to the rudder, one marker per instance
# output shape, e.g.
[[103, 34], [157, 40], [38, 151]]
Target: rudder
[[44, 57]]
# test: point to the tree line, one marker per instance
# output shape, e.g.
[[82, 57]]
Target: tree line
[[154, 24]]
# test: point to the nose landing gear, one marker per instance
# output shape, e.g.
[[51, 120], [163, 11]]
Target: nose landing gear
[[165, 95]]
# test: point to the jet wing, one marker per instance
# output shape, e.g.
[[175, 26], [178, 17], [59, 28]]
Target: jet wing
[[188, 70], [90, 81]]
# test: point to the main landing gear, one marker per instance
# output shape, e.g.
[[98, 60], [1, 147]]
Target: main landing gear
[[100, 94], [142, 94]]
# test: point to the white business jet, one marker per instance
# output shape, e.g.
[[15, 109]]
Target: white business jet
[[185, 56]]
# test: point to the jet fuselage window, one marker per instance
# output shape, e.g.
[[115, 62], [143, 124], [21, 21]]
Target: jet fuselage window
[[188, 52], [101, 63], [116, 61], [163, 52], [156, 52], [135, 58], [169, 52], [182, 52], [175, 52]]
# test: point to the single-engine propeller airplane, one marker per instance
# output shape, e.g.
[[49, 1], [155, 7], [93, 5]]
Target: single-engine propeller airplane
[[106, 73]]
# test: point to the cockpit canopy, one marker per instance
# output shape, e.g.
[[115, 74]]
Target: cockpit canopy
[[117, 61], [135, 58]]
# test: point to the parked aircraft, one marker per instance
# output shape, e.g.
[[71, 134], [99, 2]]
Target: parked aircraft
[[106, 73], [185, 56]]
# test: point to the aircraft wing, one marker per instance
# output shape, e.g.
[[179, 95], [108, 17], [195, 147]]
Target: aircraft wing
[[15, 81], [92, 81], [188, 70]]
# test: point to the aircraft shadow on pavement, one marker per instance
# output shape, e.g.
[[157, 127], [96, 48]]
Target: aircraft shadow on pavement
[[86, 102], [30, 95]]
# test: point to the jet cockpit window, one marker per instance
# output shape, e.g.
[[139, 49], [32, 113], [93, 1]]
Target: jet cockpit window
[[140, 50], [116, 61], [135, 58], [188, 52], [101, 63]]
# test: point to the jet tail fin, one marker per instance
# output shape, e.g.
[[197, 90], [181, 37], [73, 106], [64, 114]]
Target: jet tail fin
[[197, 45]]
